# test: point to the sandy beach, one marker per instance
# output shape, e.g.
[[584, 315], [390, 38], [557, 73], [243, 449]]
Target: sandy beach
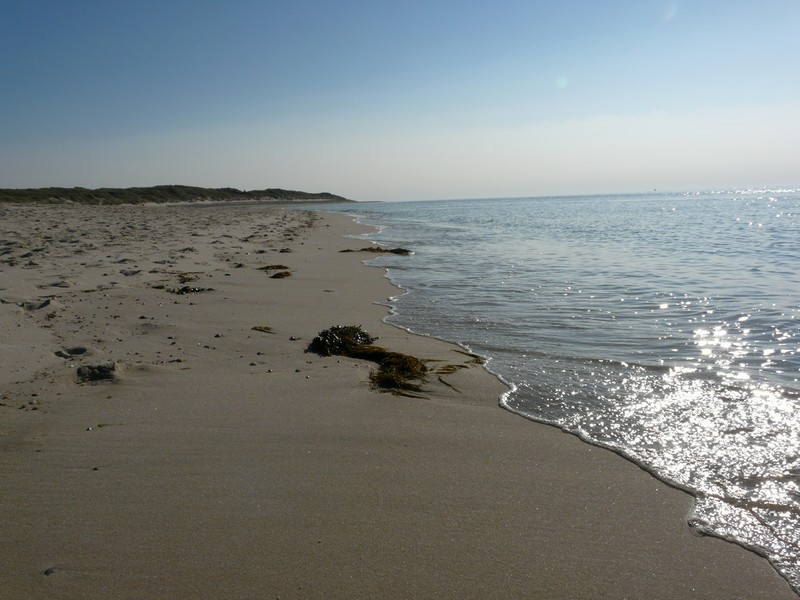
[[153, 444]]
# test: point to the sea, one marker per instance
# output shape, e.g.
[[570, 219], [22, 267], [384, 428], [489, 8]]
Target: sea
[[664, 326]]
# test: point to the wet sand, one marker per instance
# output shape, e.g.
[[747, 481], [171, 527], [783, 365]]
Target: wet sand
[[219, 461]]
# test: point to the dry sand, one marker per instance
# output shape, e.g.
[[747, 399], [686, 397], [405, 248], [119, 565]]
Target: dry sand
[[224, 462]]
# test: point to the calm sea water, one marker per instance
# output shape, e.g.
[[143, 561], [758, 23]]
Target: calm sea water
[[665, 327]]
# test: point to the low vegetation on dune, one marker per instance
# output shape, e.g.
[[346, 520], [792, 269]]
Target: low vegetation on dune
[[161, 194]]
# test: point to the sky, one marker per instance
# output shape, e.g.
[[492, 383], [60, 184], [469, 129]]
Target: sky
[[378, 100]]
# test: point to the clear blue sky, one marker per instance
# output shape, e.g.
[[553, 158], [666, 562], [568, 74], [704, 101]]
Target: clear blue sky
[[401, 100]]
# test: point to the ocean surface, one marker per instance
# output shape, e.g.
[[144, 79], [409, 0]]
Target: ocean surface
[[663, 326]]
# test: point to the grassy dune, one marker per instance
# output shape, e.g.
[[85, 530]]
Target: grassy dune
[[159, 194]]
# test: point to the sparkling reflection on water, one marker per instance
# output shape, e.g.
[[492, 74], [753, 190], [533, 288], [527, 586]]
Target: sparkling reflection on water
[[666, 327]]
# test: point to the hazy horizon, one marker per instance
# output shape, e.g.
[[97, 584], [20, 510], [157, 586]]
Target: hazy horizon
[[377, 101]]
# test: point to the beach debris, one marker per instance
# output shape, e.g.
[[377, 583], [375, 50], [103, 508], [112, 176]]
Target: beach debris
[[477, 359], [273, 268], [340, 340], [280, 275], [450, 385], [70, 352], [449, 369], [186, 289], [188, 277], [263, 328], [100, 372], [34, 304], [381, 250], [59, 284], [396, 371]]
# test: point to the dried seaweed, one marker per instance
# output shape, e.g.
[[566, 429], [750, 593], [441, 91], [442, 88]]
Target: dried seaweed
[[397, 371], [476, 359], [262, 328], [187, 277], [449, 369]]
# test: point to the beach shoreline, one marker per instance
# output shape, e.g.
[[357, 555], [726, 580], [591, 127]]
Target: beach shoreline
[[224, 461]]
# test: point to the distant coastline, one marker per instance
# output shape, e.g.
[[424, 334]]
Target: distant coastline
[[161, 194]]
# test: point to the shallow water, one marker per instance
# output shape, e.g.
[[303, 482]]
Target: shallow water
[[666, 327]]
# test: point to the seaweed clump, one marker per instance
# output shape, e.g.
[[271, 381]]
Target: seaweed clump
[[396, 372], [186, 289], [342, 340], [94, 373], [381, 250]]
